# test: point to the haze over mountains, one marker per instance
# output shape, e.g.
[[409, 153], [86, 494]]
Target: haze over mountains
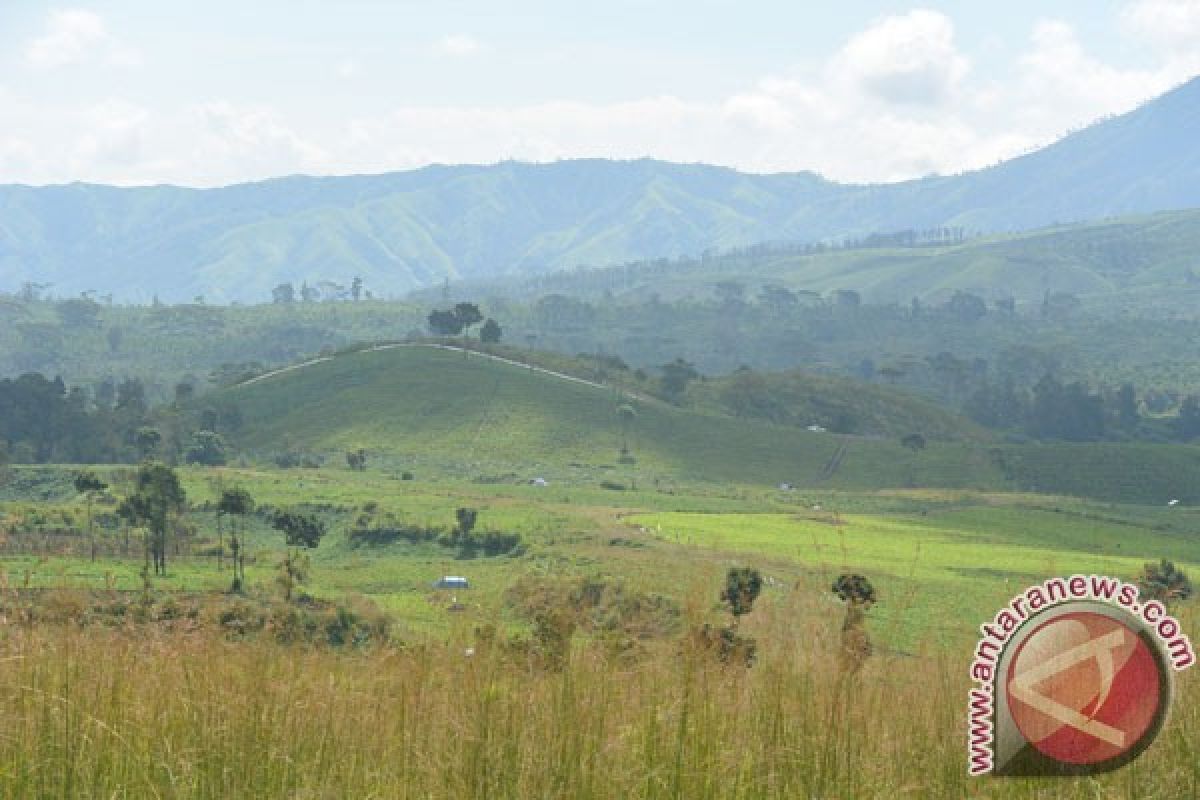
[[408, 230]]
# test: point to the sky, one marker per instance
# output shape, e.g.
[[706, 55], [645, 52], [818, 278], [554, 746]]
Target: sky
[[225, 91]]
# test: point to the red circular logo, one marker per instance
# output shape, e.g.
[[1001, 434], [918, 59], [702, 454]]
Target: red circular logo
[[1084, 688]]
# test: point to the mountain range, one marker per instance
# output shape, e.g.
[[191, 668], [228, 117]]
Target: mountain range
[[407, 230]]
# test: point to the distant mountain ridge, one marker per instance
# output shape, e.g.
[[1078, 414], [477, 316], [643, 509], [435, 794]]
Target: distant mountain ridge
[[407, 230]]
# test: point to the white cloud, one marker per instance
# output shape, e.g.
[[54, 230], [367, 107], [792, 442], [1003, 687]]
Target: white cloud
[[910, 58], [1174, 23], [75, 36], [458, 44], [896, 100]]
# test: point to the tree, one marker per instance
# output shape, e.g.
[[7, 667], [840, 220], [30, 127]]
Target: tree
[[1186, 426], [88, 484], [300, 531], [675, 378], [357, 460], [184, 392], [283, 294], [80, 312], [742, 587], [207, 448], [158, 495], [1127, 407], [627, 414], [468, 315], [444, 323], [490, 332], [147, 441], [859, 595], [356, 286], [914, 442], [466, 519], [778, 300], [235, 502], [1164, 582], [131, 398]]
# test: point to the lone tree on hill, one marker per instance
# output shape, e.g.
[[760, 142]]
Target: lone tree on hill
[[300, 531], [469, 316], [491, 331], [675, 378], [444, 323], [459, 319], [89, 484]]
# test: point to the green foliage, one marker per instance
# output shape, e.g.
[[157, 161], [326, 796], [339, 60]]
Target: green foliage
[[491, 332], [87, 481], [675, 378], [465, 519], [468, 316], [158, 494], [207, 448], [299, 529], [444, 323], [1165, 582], [357, 459], [742, 587], [855, 590], [237, 501]]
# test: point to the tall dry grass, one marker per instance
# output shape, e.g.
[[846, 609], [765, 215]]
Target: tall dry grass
[[112, 714]]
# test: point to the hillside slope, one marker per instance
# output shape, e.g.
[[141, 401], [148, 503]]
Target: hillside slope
[[475, 417], [406, 230], [437, 413], [1125, 262]]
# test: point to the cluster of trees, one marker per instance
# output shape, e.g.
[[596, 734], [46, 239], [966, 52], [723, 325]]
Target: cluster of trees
[[460, 319], [157, 502], [323, 291], [43, 421], [1052, 409]]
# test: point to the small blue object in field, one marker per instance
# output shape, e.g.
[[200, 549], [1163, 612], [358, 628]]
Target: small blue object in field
[[451, 582]]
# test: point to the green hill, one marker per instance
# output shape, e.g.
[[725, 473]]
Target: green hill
[[1130, 262], [482, 419], [437, 413]]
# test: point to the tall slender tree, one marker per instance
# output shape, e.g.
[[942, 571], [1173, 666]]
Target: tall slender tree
[[89, 484]]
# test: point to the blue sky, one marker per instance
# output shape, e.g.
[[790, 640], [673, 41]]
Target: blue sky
[[208, 94]]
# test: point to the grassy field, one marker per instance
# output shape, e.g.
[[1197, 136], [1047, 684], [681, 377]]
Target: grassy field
[[109, 714], [185, 711], [168, 699]]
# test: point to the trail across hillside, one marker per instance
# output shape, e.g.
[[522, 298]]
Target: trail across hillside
[[472, 353]]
